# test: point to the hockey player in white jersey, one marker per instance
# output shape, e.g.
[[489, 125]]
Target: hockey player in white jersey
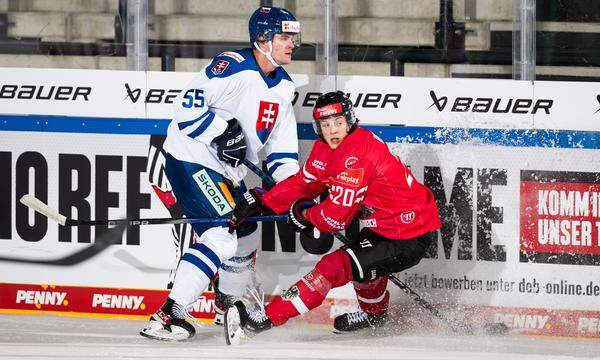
[[237, 105]]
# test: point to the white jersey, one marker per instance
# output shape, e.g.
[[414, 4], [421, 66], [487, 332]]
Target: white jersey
[[233, 86]]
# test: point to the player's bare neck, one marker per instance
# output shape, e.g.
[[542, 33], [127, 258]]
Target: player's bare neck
[[263, 63]]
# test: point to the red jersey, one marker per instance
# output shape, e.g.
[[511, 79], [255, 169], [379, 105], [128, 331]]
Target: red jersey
[[364, 177]]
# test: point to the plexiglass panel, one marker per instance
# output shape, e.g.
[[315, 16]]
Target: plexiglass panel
[[425, 38]]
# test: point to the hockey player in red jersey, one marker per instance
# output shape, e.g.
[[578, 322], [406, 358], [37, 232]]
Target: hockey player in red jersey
[[398, 215]]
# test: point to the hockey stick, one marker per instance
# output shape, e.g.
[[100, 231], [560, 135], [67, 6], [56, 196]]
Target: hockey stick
[[268, 179], [101, 243], [454, 324], [33, 203]]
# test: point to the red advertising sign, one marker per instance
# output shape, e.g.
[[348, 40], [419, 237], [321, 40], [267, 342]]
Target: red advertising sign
[[102, 302], [560, 217], [93, 300]]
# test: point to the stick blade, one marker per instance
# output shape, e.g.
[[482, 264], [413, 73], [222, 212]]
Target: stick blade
[[102, 242], [34, 203]]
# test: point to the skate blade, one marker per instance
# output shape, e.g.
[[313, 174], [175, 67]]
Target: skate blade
[[234, 333], [164, 335], [364, 331]]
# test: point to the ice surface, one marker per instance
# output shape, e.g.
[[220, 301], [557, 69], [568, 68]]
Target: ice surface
[[58, 337]]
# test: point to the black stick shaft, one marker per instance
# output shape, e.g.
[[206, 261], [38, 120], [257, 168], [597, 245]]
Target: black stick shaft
[[454, 324], [160, 221]]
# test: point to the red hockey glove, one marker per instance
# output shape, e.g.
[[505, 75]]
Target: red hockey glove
[[295, 217], [250, 203]]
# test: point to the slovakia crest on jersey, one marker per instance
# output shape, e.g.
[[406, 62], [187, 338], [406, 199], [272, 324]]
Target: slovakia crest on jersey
[[267, 116], [220, 67]]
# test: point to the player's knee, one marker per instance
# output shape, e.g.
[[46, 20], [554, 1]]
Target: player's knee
[[247, 244], [335, 267], [221, 241]]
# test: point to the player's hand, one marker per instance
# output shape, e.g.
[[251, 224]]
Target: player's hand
[[231, 144], [250, 203], [297, 219]]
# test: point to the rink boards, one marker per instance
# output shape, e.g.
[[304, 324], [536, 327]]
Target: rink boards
[[514, 167]]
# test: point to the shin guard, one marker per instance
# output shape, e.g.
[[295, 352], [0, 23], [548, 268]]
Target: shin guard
[[331, 271], [372, 295]]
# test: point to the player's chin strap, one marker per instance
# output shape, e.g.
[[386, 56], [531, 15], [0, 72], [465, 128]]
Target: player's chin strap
[[267, 54]]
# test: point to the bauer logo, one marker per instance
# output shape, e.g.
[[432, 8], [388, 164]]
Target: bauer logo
[[249, 198], [108, 301], [490, 105], [153, 96], [39, 298], [598, 100], [212, 192], [359, 100], [45, 92], [560, 217]]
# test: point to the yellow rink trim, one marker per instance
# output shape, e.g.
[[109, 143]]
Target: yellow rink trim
[[84, 315]]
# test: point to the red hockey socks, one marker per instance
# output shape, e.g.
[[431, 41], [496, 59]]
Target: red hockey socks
[[331, 271], [372, 295]]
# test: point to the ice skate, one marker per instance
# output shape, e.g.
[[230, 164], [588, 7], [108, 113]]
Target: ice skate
[[357, 321], [222, 303], [241, 324], [169, 324]]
